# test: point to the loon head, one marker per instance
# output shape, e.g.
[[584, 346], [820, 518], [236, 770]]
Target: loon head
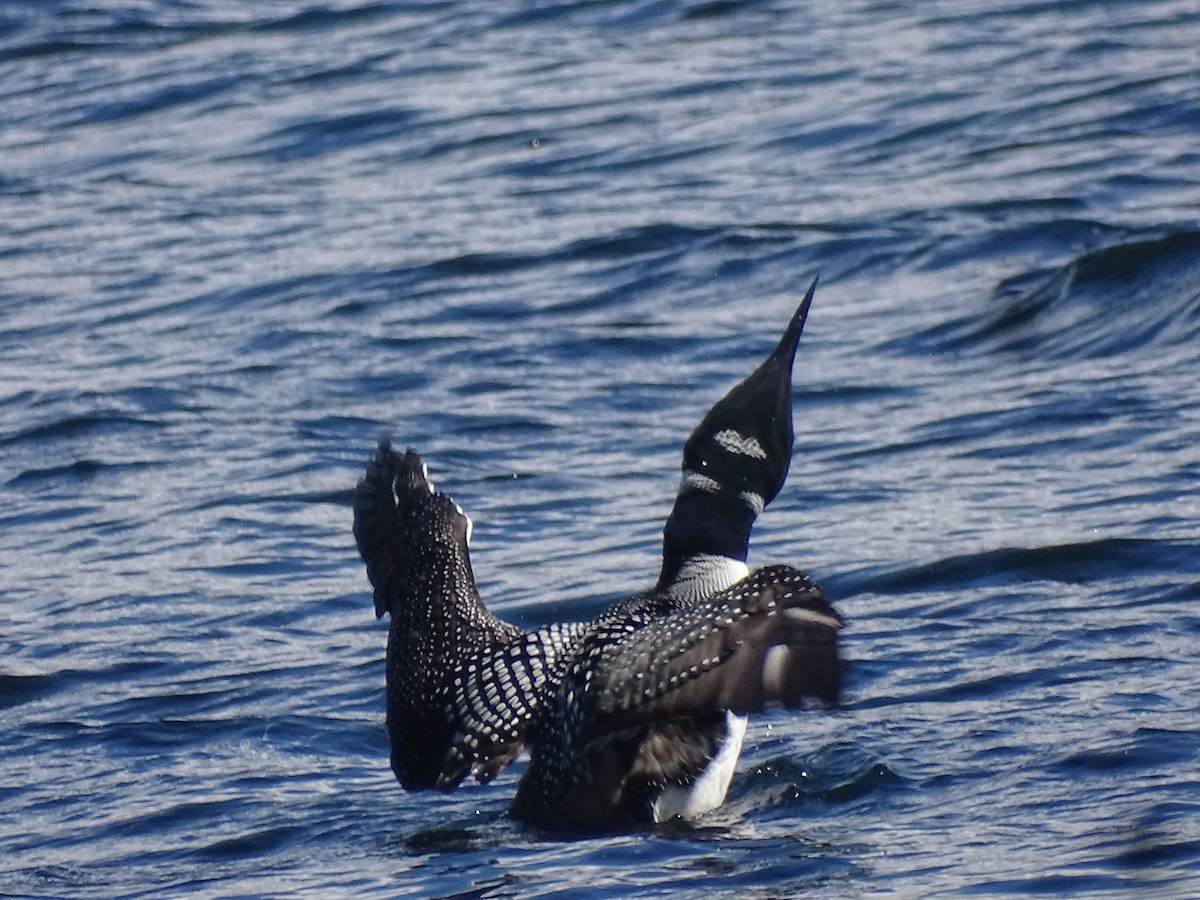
[[736, 460]]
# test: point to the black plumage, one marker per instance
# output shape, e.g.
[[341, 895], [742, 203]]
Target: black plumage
[[641, 699], [414, 542], [625, 715], [736, 460]]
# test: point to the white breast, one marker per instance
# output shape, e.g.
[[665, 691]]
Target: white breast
[[708, 791], [702, 576]]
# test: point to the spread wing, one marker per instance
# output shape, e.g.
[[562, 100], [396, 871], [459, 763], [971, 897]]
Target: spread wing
[[495, 701], [644, 704], [772, 638], [460, 682]]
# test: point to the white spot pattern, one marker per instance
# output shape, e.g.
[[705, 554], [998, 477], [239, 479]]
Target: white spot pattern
[[699, 482], [733, 441], [466, 691], [753, 500]]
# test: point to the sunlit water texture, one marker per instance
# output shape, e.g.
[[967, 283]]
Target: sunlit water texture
[[238, 242]]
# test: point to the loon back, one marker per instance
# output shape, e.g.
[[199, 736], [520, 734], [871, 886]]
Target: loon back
[[644, 706]]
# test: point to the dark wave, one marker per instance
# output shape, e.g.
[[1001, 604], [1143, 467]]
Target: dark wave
[[151, 26], [18, 689], [1078, 563], [834, 775], [326, 134], [78, 470], [82, 426], [1120, 299], [1146, 748]]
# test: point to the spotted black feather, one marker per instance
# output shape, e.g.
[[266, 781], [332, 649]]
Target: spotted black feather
[[414, 542], [638, 715], [634, 712]]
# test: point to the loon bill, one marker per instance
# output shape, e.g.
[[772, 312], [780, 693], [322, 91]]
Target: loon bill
[[639, 715]]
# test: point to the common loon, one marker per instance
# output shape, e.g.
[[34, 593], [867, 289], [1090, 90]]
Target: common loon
[[639, 715]]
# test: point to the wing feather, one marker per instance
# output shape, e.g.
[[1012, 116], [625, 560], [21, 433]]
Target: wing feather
[[770, 639], [448, 656]]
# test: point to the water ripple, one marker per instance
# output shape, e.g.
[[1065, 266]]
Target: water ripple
[[240, 242], [1116, 300]]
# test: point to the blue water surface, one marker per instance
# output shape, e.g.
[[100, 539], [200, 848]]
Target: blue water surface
[[239, 242]]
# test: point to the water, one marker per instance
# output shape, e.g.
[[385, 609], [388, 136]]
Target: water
[[240, 241]]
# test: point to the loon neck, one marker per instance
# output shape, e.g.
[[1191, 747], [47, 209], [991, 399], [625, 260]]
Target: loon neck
[[704, 525], [703, 575]]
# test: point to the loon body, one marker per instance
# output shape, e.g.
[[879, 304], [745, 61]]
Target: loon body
[[639, 715]]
